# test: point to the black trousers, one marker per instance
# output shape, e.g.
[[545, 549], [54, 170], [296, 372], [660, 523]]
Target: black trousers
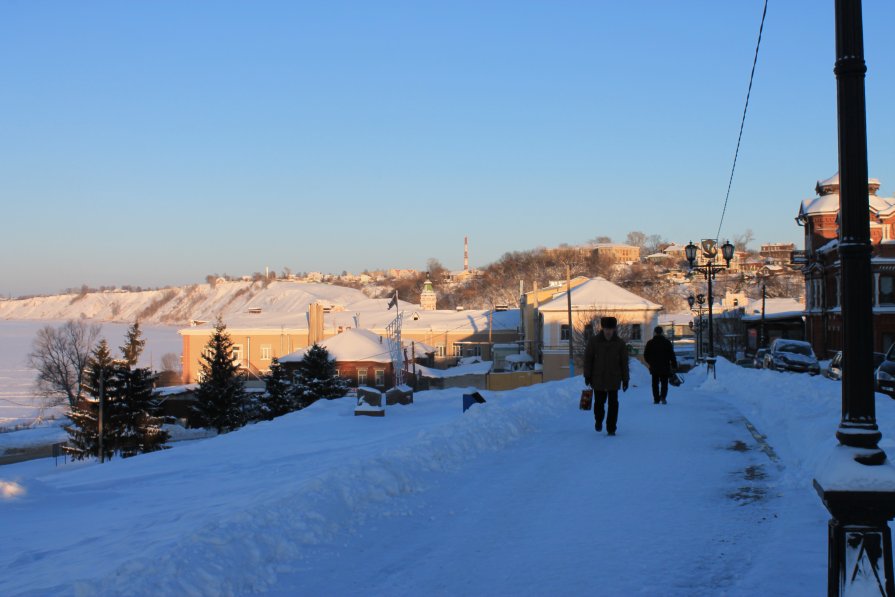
[[600, 397], [660, 387]]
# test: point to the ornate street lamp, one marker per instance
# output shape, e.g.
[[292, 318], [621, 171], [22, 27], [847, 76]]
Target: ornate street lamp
[[857, 485], [709, 248]]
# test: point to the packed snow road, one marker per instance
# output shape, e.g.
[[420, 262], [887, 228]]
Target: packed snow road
[[665, 507], [519, 496]]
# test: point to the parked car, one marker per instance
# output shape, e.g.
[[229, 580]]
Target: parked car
[[834, 369], [885, 374], [758, 359], [791, 355]]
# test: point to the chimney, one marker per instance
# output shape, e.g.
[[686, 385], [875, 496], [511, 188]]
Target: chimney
[[465, 253], [315, 323]]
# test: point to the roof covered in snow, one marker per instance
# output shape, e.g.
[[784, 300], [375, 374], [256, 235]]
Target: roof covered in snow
[[351, 345], [600, 293], [827, 200], [775, 308]]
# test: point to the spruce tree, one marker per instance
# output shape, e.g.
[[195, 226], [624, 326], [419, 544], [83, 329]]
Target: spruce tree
[[317, 377], [133, 344], [101, 383], [138, 421], [279, 398], [220, 398]]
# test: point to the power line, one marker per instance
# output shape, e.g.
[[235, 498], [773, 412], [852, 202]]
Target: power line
[[743, 121]]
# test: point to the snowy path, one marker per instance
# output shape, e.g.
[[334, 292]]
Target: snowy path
[[658, 509]]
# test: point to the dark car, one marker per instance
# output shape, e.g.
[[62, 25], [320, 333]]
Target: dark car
[[885, 374], [791, 355], [758, 359], [834, 369]]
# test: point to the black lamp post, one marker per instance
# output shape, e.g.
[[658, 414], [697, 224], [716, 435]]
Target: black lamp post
[[709, 269], [696, 304], [856, 485]]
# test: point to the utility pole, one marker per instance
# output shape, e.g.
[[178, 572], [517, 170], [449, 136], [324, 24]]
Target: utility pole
[[764, 296], [413, 360], [571, 329]]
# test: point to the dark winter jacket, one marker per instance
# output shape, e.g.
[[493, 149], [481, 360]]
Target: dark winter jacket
[[606, 362], [659, 355]]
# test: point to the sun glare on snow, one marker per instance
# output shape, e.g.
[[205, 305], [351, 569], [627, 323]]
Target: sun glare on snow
[[11, 489]]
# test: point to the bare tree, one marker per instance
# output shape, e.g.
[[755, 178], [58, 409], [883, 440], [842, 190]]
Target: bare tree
[[654, 244], [60, 356], [170, 361], [636, 238], [171, 370], [741, 241]]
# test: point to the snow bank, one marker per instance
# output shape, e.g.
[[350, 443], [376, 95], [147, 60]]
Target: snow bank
[[799, 413], [243, 508]]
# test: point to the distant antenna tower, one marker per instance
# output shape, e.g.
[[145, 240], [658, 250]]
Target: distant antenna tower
[[465, 253]]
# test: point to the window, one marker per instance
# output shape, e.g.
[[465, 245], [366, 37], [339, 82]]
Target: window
[[564, 332], [636, 332], [439, 350], [266, 352], [887, 290], [237, 355], [338, 373], [457, 350], [380, 378], [361, 378]]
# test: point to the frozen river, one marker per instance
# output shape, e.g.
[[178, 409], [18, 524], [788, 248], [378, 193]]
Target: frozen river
[[18, 404]]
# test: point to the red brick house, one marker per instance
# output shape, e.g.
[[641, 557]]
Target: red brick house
[[362, 358], [820, 265]]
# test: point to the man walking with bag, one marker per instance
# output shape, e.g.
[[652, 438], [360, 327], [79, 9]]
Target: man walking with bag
[[605, 369], [659, 356]]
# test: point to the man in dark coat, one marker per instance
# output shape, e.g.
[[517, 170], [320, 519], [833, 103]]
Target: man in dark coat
[[659, 356], [605, 369]]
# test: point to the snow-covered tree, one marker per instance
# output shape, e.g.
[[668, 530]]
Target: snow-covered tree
[[317, 377], [138, 423], [279, 398], [100, 383], [133, 344], [220, 398]]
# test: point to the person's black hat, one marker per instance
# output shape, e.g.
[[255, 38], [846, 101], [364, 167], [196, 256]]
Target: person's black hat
[[658, 330], [608, 323]]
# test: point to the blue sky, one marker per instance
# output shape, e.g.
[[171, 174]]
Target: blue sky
[[154, 143]]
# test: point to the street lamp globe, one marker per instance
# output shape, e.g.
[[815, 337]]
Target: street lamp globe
[[691, 300], [690, 252], [727, 252]]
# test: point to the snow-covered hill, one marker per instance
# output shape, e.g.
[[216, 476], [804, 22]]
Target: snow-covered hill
[[182, 304], [518, 496]]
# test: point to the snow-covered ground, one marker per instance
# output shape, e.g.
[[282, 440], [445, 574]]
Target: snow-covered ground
[[518, 496], [18, 404]]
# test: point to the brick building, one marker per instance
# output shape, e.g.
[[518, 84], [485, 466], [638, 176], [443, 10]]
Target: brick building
[[820, 265]]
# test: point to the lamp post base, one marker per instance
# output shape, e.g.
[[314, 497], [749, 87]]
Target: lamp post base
[[861, 501]]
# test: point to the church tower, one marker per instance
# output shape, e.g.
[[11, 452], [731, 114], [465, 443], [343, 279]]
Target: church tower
[[427, 296]]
